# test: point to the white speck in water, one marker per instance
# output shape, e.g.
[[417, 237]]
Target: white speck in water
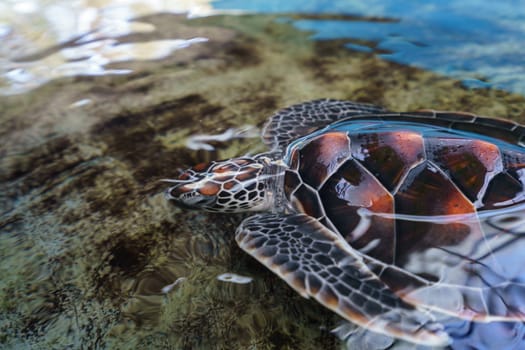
[[80, 103], [234, 278], [197, 142], [169, 287]]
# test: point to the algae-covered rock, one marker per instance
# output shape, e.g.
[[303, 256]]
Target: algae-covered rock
[[88, 243]]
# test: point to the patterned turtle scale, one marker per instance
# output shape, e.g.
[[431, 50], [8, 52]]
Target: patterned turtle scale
[[374, 168], [386, 218], [401, 186]]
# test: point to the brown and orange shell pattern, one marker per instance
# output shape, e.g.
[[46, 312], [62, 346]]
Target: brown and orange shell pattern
[[411, 193]]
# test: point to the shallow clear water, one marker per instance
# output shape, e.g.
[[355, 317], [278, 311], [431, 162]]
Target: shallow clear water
[[474, 41], [477, 42], [100, 100]]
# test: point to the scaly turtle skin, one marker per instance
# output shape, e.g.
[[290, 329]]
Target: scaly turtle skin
[[384, 218]]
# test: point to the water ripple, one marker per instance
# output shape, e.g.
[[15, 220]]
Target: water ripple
[[42, 41]]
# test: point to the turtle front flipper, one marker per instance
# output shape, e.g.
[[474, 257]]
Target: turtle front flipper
[[301, 119], [316, 262]]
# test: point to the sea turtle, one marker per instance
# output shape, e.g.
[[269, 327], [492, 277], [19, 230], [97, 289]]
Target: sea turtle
[[385, 218]]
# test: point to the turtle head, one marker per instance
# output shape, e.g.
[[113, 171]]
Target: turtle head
[[234, 185]]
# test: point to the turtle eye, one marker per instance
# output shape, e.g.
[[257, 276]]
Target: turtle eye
[[209, 188]]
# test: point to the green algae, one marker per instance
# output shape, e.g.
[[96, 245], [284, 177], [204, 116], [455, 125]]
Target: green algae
[[88, 241]]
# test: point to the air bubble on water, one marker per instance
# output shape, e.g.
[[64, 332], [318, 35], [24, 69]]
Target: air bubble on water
[[80, 103]]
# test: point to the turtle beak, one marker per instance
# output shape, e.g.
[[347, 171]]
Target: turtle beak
[[175, 192], [189, 195], [185, 183]]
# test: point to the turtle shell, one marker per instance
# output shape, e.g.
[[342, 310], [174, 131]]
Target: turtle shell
[[428, 203]]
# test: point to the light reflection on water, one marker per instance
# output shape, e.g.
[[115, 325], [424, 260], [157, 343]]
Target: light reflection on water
[[483, 272], [474, 41], [44, 40]]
